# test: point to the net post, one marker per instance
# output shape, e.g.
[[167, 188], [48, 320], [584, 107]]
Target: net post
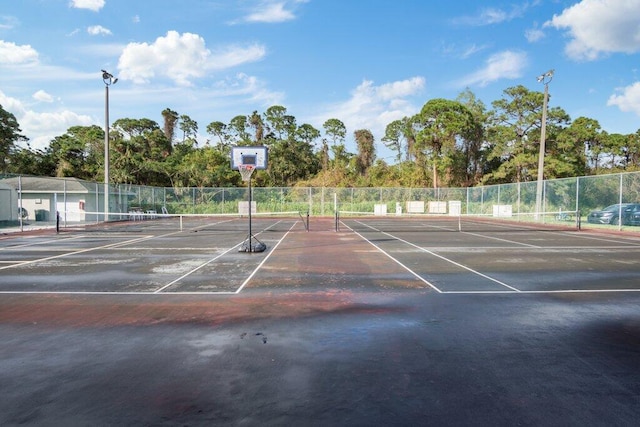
[[578, 220], [249, 249]]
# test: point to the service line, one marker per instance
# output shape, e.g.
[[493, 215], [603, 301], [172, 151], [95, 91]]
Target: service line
[[81, 251], [416, 275], [457, 264]]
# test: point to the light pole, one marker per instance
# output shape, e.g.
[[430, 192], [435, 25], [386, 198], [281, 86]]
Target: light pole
[[544, 79], [108, 80]]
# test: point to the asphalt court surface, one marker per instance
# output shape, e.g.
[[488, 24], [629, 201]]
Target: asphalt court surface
[[500, 260], [152, 257], [357, 327], [159, 257]]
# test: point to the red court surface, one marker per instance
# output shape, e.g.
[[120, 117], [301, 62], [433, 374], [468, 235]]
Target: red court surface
[[353, 327]]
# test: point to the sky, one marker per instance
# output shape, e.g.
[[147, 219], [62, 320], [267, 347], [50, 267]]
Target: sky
[[364, 62]]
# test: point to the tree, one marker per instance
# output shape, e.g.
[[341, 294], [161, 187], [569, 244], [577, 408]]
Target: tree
[[207, 167], [255, 121], [366, 150], [514, 132], [474, 156], [170, 118], [220, 130], [238, 129], [400, 136], [443, 124], [139, 148], [307, 133], [189, 128], [29, 161], [335, 130], [631, 151], [275, 120], [574, 144], [9, 137], [79, 152]]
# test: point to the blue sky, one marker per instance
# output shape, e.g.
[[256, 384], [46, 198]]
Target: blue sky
[[365, 62]]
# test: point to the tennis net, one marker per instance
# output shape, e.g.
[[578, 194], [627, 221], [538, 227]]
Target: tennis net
[[418, 223], [144, 222]]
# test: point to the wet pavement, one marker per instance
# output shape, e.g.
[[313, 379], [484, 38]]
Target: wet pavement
[[328, 331]]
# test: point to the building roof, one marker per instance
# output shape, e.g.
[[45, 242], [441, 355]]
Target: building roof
[[34, 184]]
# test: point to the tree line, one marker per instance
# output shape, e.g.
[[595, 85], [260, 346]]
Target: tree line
[[449, 143]]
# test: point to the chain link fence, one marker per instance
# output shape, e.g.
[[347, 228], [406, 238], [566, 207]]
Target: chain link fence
[[29, 199]]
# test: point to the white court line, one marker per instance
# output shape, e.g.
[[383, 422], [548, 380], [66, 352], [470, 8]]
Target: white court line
[[26, 245], [196, 269], [264, 260], [109, 246], [224, 253], [557, 291], [499, 239], [116, 293], [112, 245], [416, 275], [445, 259], [621, 240]]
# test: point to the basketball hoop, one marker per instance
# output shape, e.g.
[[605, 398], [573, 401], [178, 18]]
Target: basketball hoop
[[246, 171]]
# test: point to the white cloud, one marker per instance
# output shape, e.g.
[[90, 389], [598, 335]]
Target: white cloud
[[628, 100], [97, 30], [374, 107], [462, 52], [534, 34], [248, 87], [598, 27], [271, 13], [8, 22], [503, 65], [10, 53], [41, 128], [12, 105], [180, 58], [472, 50], [42, 96], [94, 5], [492, 15]]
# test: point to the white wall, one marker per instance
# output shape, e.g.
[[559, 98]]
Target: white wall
[[8, 204]]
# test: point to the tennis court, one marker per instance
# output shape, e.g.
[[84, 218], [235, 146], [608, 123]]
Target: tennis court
[[200, 254], [355, 321]]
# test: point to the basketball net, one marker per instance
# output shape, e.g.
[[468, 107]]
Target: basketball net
[[246, 171]]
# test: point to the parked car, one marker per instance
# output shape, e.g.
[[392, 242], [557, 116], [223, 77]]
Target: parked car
[[634, 218], [610, 214]]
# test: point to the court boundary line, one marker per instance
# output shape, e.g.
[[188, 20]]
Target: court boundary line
[[95, 248], [517, 291], [265, 259], [443, 258], [25, 245], [214, 293], [244, 283], [500, 240], [160, 291], [416, 275], [173, 282]]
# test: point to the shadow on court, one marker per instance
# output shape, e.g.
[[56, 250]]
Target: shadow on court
[[328, 331]]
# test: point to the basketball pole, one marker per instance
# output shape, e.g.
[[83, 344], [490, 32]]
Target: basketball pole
[[250, 232]]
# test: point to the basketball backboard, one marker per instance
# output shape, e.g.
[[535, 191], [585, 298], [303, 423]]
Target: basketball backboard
[[256, 156]]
